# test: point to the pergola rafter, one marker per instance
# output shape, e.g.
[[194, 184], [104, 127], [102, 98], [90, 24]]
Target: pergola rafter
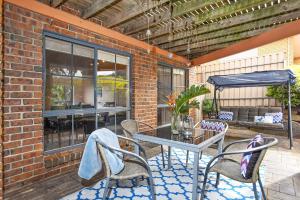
[[188, 26], [56, 3], [242, 32], [96, 7], [178, 13], [211, 16], [132, 13]]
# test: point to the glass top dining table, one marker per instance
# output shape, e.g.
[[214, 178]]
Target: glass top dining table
[[198, 141]]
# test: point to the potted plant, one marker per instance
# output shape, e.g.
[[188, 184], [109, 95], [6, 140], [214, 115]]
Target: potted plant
[[181, 104], [207, 108]]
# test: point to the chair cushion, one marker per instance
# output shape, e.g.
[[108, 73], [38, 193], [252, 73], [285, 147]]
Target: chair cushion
[[277, 117], [212, 126], [132, 168], [229, 168], [225, 115], [249, 159]]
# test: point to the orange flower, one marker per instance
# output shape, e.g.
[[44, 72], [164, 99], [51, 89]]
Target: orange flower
[[171, 101]]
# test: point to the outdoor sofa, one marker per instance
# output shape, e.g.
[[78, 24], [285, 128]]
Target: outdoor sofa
[[244, 117]]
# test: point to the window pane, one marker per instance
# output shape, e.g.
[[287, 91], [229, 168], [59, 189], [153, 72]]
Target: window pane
[[105, 80], [122, 81], [120, 116], [107, 120], [163, 84], [84, 125], [58, 45], [163, 116], [57, 132], [178, 80], [58, 57], [58, 92], [69, 81], [83, 71]]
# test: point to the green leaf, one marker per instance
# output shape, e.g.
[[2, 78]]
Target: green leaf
[[183, 103]]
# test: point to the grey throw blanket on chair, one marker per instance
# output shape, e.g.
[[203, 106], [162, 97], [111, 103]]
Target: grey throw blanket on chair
[[91, 163]]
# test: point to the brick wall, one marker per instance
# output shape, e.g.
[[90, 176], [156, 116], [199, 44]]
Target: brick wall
[[1, 96], [24, 159]]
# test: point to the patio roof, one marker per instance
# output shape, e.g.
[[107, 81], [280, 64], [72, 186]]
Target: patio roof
[[254, 79], [190, 28]]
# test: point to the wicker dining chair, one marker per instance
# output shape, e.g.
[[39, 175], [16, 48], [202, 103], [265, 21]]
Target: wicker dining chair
[[135, 166], [231, 168], [202, 134], [131, 127]]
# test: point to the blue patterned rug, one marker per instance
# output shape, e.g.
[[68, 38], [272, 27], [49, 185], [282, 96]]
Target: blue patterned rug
[[172, 184]]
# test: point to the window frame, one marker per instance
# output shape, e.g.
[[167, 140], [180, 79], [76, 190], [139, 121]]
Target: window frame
[[186, 82], [95, 110]]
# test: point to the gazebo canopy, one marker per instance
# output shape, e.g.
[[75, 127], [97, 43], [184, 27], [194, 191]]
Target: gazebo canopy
[[254, 79]]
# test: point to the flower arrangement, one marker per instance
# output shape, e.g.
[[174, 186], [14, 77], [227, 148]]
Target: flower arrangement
[[180, 104]]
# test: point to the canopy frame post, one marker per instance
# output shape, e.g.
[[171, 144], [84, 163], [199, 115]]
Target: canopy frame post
[[290, 128], [215, 103]]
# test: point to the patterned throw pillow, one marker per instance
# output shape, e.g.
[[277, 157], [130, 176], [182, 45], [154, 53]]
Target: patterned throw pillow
[[263, 119], [277, 117], [225, 115], [249, 159], [212, 126]]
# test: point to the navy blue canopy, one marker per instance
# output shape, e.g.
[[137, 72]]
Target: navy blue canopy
[[259, 78]]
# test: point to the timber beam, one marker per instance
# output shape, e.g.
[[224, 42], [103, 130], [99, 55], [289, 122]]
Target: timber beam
[[241, 30], [56, 3], [131, 13], [263, 12], [96, 7], [281, 32]]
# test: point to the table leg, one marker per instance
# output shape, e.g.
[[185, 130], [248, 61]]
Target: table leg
[[169, 157], [220, 146], [195, 176]]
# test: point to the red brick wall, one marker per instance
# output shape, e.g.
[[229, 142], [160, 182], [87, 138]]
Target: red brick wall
[[24, 159], [1, 96]]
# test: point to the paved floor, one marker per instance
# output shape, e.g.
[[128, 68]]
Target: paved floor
[[282, 176]]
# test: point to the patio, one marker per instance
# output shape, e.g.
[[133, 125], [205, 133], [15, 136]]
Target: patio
[[87, 77], [282, 180]]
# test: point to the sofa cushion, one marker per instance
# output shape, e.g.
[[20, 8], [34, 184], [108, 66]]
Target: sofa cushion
[[225, 108], [262, 111], [243, 114], [253, 111], [274, 109]]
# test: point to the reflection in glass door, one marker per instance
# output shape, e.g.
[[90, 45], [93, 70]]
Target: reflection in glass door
[[112, 89]]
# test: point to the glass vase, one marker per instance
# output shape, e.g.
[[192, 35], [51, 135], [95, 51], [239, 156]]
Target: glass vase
[[175, 123]]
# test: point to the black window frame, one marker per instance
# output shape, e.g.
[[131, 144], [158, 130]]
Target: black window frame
[[95, 110], [166, 65]]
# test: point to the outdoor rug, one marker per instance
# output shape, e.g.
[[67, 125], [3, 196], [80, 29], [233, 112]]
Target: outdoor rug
[[172, 184]]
